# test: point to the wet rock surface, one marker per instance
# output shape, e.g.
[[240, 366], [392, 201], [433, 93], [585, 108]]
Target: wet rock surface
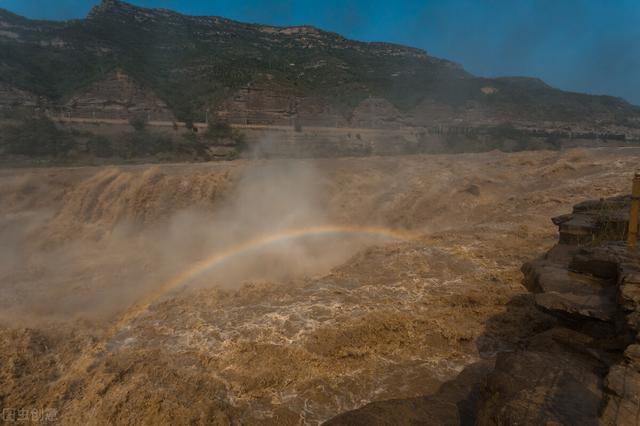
[[583, 369], [453, 404], [579, 371]]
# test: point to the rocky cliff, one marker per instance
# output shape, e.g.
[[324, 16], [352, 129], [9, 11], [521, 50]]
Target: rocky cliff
[[586, 369], [249, 73], [583, 369], [11, 96], [118, 96]]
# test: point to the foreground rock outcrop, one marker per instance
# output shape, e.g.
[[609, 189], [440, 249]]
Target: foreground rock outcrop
[[584, 369]]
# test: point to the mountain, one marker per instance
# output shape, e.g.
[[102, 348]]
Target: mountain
[[255, 73]]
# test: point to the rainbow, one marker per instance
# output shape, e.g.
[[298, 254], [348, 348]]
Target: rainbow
[[206, 265]]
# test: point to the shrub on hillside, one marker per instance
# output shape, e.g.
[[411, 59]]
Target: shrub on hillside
[[138, 122], [37, 137], [221, 133], [217, 130], [100, 146], [191, 145], [140, 144]]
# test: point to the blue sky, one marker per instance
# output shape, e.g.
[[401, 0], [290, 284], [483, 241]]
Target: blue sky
[[581, 45]]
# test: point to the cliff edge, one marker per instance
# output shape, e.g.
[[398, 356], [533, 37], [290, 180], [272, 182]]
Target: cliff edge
[[584, 369]]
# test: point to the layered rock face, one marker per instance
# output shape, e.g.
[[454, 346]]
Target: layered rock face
[[251, 105], [586, 369], [267, 75], [377, 113], [118, 96], [11, 97]]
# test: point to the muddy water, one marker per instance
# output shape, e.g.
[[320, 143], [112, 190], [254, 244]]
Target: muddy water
[[291, 332]]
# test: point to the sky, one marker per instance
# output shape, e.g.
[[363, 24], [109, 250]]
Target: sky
[[590, 46]]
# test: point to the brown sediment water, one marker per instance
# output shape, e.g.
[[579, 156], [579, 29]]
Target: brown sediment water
[[280, 291]]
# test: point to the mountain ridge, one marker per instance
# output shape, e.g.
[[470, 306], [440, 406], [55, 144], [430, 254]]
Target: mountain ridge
[[204, 63]]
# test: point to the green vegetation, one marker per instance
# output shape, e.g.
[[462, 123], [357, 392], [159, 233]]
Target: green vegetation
[[138, 122], [36, 137], [42, 138], [220, 133], [100, 146], [504, 137], [193, 64], [218, 130], [140, 144]]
